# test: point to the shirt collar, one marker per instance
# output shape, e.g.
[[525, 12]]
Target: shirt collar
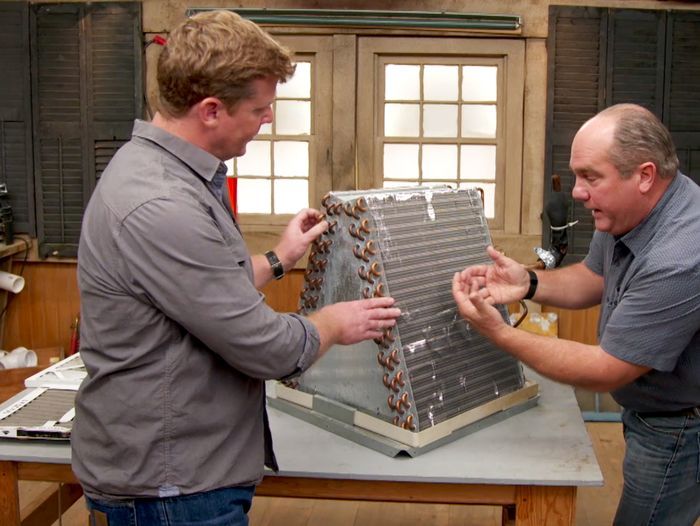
[[637, 238], [200, 161]]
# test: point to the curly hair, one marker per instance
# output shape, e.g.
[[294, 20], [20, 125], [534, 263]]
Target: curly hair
[[217, 54]]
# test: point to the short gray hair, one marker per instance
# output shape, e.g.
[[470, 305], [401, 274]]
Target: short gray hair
[[640, 137]]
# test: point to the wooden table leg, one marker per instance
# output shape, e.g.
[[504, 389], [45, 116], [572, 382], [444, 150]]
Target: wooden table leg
[[9, 496], [545, 506]]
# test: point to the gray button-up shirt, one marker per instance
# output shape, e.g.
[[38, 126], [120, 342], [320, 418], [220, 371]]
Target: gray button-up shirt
[[176, 339], [650, 311]]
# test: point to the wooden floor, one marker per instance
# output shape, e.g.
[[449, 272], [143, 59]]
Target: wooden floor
[[594, 507]]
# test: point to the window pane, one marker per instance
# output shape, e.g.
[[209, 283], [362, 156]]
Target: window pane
[[440, 161], [401, 161], [489, 196], [401, 120], [479, 83], [299, 86], [292, 159], [293, 117], [401, 82], [229, 166], [265, 129], [440, 120], [256, 160], [291, 196], [479, 120], [440, 83], [478, 161], [254, 196]]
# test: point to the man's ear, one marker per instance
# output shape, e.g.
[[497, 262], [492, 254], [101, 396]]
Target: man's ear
[[209, 111], [647, 176]]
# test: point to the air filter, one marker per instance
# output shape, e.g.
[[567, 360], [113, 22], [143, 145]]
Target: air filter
[[431, 376]]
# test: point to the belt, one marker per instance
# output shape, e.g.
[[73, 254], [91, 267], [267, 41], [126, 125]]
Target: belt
[[692, 412]]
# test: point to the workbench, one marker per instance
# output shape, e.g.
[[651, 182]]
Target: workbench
[[532, 462]]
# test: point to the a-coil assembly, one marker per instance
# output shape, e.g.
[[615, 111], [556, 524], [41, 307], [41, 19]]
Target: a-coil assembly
[[430, 375]]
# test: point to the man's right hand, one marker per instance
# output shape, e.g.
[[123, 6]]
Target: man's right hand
[[350, 322], [506, 279]]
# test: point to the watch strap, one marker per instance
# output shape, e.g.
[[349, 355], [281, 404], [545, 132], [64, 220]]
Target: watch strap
[[275, 264], [533, 285]]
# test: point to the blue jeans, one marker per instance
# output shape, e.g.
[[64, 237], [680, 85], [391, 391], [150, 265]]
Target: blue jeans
[[220, 507], [661, 471]]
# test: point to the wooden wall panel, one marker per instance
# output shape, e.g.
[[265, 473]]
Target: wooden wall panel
[[41, 315], [577, 325]]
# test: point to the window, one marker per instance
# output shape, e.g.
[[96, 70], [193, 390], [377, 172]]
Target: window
[[372, 112], [443, 118], [444, 111]]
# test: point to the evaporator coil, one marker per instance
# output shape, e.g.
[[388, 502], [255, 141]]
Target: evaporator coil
[[431, 378]]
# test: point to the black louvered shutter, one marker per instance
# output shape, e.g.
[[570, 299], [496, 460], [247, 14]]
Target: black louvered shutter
[[15, 114], [648, 57], [87, 81], [576, 89], [682, 102], [635, 49]]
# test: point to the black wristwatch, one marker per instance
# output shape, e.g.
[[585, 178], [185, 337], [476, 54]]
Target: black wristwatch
[[275, 264]]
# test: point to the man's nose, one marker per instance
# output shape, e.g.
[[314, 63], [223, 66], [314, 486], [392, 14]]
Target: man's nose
[[579, 193], [268, 117]]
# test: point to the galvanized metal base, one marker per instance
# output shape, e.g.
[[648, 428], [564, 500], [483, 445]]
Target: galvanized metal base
[[338, 419]]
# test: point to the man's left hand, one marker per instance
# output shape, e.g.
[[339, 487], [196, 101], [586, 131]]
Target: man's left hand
[[476, 306]]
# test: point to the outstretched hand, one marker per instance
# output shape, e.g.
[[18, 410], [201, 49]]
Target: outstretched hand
[[476, 305], [300, 232], [505, 280]]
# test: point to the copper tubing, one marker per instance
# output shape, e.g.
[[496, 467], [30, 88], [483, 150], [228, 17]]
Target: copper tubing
[[362, 272], [388, 335], [331, 226], [321, 264], [384, 362], [374, 269], [393, 386], [391, 403], [355, 232], [394, 356], [395, 421], [386, 381], [379, 291], [382, 343], [361, 204], [364, 226], [359, 254], [367, 292], [351, 210], [369, 247], [324, 200]]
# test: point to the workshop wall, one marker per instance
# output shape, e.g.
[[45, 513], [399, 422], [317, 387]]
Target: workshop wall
[[41, 316]]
